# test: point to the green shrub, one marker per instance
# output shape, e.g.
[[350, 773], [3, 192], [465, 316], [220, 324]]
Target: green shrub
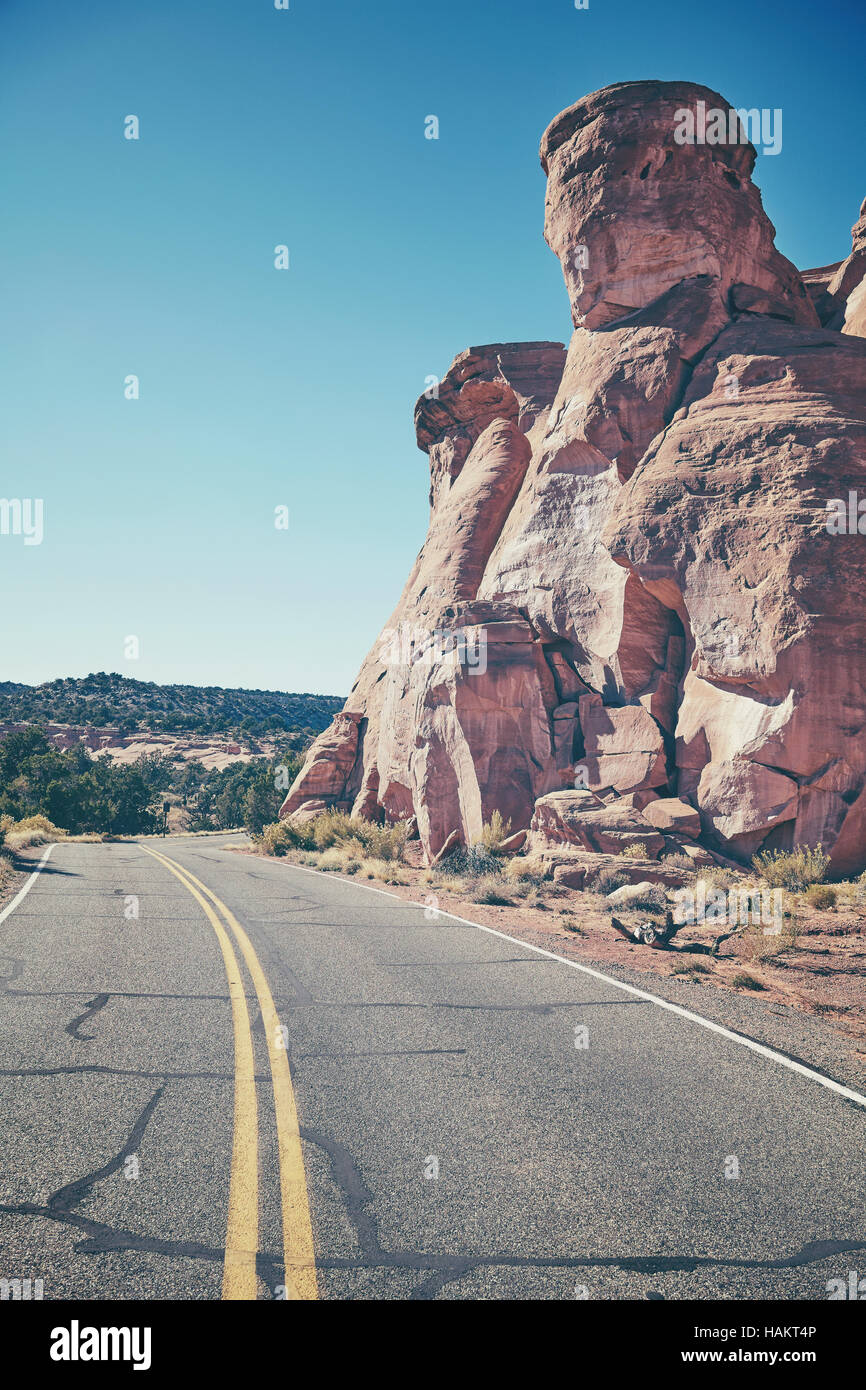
[[793, 869], [70, 789], [38, 822], [636, 850]]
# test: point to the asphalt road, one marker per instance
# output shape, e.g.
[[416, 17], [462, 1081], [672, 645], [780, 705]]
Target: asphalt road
[[476, 1120]]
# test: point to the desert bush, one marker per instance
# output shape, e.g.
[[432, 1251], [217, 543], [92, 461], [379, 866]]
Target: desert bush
[[394, 875], [523, 888], [385, 841], [474, 861], [742, 980], [448, 883], [576, 928], [851, 894], [678, 861], [528, 893], [31, 830], [356, 839], [821, 896], [366, 838], [489, 889], [382, 869], [718, 879], [332, 861], [493, 832], [284, 835], [691, 967], [372, 868], [636, 850], [526, 870], [651, 899], [794, 869], [605, 880], [758, 945], [330, 828]]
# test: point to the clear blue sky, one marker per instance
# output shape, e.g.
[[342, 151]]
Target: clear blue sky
[[260, 387]]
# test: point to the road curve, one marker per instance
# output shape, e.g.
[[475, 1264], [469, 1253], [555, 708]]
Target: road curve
[[225, 1077]]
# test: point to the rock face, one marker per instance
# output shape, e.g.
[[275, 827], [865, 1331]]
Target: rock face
[[628, 587], [839, 291], [724, 520]]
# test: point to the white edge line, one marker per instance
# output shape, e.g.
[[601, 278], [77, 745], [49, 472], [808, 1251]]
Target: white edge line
[[22, 892], [750, 1043]]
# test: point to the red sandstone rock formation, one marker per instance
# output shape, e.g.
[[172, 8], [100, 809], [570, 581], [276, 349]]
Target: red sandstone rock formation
[[627, 585], [652, 213]]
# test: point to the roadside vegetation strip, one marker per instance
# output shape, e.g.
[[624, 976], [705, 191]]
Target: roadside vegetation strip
[[23, 891], [760, 1048], [298, 1248], [242, 1226]]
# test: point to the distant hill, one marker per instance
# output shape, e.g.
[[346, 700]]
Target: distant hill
[[112, 700]]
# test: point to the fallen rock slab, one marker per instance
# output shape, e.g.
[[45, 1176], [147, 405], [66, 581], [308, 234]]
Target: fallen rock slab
[[668, 813], [577, 818], [576, 870], [629, 893]]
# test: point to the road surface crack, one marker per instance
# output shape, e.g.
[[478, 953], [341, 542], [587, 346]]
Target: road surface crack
[[65, 1198], [101, 1237], [93, 1008], [444, 1269]]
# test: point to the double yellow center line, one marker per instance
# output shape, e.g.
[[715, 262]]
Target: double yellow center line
[[239, 1270]]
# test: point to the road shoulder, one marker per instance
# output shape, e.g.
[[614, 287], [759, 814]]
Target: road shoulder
[[790, 1030]]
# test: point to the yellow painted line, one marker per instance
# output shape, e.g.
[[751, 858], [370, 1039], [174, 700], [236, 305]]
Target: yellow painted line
[[298, 1250], [242, 1228]]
